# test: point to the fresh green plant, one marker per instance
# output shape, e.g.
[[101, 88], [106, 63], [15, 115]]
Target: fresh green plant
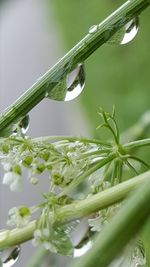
[[87, 177]]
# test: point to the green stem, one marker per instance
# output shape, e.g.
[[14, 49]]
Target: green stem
[[77, 209], [137, 144], [94, 153], [72, 139], [123, 227], [79, 53], [138, 131], [38, 257], [83, 176]]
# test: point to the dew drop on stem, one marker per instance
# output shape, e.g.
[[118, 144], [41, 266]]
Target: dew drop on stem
[[10, 256], [131, 30], [93, 29], [84, 245], [69, 87], [22, 126], [75, 82], [80, 251], [127, 33]]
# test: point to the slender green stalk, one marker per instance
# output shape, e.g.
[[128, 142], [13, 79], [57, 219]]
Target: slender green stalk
[[92, 169], [124, 226], [137, 144], [77, 54], [72, 139], [138, 131], [99, 153], [101, 200], [76, 210], [38, 257]]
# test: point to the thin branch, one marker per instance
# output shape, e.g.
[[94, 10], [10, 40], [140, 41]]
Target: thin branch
[[76, 210], [123, 227], [79, 53], [137, 144], [73, 139]]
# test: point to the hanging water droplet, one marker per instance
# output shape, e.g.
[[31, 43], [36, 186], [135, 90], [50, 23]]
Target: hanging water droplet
[[127, 33], [22, 126], [75, 82], [82, 248], [46, 94], [131, 28], [84, 245], [9, 256], [70, 86], [93, 29]]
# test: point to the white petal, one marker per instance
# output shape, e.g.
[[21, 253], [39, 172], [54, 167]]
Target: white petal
[[8, 178]]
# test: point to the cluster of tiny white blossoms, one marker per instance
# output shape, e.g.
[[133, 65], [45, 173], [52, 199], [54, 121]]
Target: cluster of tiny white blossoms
[[62, 162], [14, 180], [19, 216]]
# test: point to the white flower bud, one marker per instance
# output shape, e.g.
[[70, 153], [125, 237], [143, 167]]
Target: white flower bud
[[13, 180]]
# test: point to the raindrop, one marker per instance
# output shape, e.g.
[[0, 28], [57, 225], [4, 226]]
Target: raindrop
[[81, 250], [9, 256], [93, 29], [46, 94], [127, 33], [131, 28], [75, 82], [70, 86], [84, 245], [22, 126]]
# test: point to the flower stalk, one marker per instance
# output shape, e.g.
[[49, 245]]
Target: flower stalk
[[76, 210]]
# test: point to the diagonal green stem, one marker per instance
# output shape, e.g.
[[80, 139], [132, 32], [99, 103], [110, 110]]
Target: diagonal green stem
[[137, 144], [87, 173], [123, 227], [77, 209], [77, 54]]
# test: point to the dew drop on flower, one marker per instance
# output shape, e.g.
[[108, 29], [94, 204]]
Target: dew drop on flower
[[10, 256], [127, 33], [93, 29], [70, 86]]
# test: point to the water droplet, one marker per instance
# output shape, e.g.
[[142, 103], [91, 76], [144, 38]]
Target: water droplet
[[85, 244], [127, 33], [22, 126], [82, 248], [70, 86], [131, 30], [75, 82], [46, 94], [93, 29], [9, 256]]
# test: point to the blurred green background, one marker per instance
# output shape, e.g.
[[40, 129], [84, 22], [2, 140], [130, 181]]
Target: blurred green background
[[115, 74]]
